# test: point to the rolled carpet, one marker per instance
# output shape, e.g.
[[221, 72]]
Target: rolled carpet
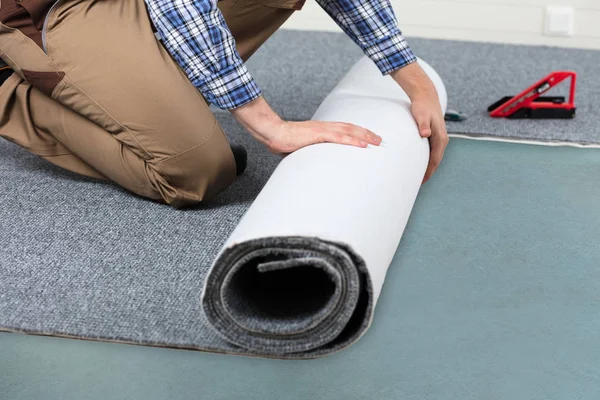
[[301, 274]]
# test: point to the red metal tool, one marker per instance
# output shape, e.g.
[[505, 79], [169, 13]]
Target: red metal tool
[[531, 104]]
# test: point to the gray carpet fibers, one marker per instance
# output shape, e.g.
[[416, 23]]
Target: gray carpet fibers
[[85, 258]]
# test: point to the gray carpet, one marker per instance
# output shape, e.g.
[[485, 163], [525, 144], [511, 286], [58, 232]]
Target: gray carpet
[[296, 80], [80, 257]]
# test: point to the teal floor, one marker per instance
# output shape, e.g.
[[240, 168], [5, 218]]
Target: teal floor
[[493, 294]]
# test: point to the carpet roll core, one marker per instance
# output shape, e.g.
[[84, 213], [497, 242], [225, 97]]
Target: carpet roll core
[[287, 295]]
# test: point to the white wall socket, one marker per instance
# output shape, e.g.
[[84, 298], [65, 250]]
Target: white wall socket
[[560, 21]]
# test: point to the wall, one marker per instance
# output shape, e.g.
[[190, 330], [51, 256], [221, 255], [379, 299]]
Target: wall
[[508, 21]]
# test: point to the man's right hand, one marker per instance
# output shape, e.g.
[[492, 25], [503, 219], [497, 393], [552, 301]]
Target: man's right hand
[[284, 137], [288, 137]]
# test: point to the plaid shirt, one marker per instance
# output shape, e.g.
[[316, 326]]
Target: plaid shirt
[[195, 34]]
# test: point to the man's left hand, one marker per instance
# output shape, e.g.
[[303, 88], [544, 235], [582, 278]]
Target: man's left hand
[[430, 120], [426, 110]]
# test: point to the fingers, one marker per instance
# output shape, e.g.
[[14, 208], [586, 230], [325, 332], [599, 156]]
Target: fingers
[[438, 142], [349, 134], [423, 120], [333, 137], [358, 132]]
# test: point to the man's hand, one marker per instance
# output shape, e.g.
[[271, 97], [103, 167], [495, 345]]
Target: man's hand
[[426, 111], [284, 137], [288, 137], [431, 125]]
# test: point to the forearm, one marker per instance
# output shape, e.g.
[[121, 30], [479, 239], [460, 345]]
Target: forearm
[[415, 82]]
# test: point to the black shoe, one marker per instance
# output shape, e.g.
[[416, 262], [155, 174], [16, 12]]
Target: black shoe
[[5, 73], [241, 158]]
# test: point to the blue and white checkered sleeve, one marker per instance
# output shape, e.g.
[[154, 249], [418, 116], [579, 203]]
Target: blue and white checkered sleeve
[[196, 35], [373, 26]]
